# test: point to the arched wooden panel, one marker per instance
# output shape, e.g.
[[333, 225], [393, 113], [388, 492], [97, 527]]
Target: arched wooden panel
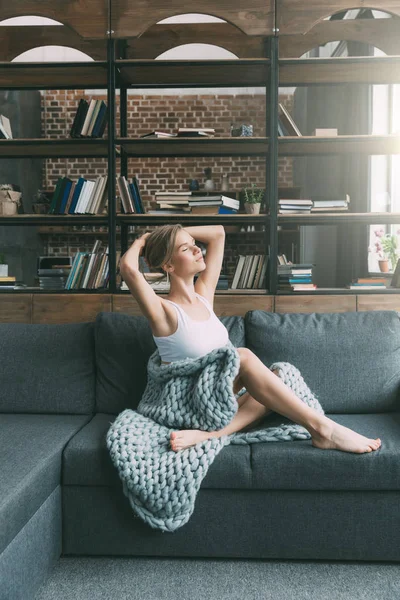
[[15, 40], [160, 38], [298, 17], [381, 33], [89, 19], [132, 19]]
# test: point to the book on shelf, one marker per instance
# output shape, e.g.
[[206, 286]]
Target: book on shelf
[[129, 194], [250, 272], [325, 132], [90, 119], [158, 134], [296, 206], [84, 196], [195, 132], [5, 128], [90, 270], [287, 122], [321, 205]]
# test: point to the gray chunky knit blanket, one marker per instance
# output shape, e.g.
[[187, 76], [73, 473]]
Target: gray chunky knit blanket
[[160, 483]]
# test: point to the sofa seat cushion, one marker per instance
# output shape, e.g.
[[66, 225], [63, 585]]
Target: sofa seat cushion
[[30, 465], [86, 460], [298, 465]]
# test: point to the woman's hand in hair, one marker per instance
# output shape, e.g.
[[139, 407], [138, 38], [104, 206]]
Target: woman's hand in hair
[[140, 242]]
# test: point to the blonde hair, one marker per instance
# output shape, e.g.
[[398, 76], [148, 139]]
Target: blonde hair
[[160, 245]]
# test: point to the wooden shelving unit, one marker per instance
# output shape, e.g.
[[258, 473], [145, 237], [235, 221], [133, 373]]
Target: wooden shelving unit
[[268, 44]]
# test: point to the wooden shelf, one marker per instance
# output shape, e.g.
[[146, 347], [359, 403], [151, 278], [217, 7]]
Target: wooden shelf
[[326, 71], [340, 291], [183, 147], [193, 73], [341, 144], [337, 218], [53, 76], [146, 219], [58, 148], [54, 220]]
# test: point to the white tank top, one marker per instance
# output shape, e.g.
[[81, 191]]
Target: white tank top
[[192, 339]]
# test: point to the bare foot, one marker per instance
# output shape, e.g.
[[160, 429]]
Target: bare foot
[[187, 437], [337, 437]]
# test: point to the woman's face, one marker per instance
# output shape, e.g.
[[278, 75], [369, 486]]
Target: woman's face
[[187, 257]]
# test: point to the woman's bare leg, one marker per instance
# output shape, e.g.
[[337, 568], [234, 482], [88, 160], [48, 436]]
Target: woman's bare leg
[[248, 413], [266, 387], [270, 391]]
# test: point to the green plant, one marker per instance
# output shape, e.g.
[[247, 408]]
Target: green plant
[[386, 246], [253, 194], [2, 259]]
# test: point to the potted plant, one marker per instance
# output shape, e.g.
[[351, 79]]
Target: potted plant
[[386, 246], [3, 266], [253, 198]]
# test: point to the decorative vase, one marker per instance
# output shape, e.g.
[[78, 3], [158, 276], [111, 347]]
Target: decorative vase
[[252, 208], [225, 183], [383, 266], [3, 270], [209, 185], [194, 185]]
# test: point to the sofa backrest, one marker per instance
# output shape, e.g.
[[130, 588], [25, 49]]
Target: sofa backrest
[[124, 344], [47, 368], [350, 360]]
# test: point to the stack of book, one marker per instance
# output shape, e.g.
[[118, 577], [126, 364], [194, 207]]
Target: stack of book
[[90, 119], [84, 196], [196, 132], [331, 205], [367, 283], [90, 270], [294, 277], [250, 272], [158, 134], [294, 206], [201, 203], [182, 132], [54, 278], [129, 193], [5, 128], [212, 204]]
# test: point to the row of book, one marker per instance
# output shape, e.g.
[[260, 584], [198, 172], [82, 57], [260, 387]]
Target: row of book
[[129, 194], [304, 206], [294, 277], [182, 132], [90, 119], [90, 270], [196, 202], [5, 128], [84, 196], [250, 272]]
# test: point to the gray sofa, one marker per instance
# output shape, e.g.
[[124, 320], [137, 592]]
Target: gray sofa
[[63, 385]]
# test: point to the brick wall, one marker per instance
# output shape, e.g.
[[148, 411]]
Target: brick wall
[[167, 112]]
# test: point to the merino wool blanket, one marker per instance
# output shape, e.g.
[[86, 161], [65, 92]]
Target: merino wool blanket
[[160, 483]]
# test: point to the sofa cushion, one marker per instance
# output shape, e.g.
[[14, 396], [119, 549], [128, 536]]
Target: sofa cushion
[[47, 368], [86, 460], [30, 465], [298, 465], [124, 344], [349, 360]]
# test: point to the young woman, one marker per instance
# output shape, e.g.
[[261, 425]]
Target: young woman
[[185, 325]]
